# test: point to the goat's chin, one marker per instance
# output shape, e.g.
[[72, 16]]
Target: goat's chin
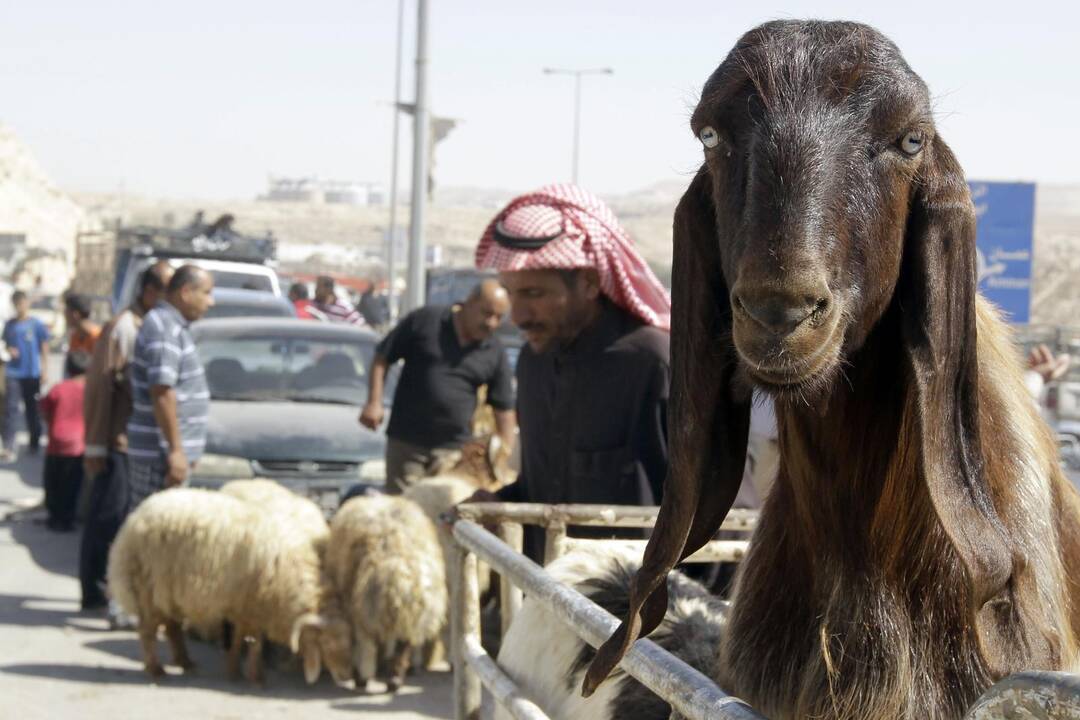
[[798, 379]]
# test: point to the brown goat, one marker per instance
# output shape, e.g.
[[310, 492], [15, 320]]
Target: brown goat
[[921, 540]]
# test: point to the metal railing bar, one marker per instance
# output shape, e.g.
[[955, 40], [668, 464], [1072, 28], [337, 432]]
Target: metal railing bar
[[713, 551], [591, 515], [687, 690], [498, 683], [1034, 694]]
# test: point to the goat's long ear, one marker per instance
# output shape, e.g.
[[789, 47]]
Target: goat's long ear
[[936, 292], [707, 424]]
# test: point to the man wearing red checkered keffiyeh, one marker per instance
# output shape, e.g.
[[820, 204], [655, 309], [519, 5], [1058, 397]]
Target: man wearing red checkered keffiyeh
[[593, 377]]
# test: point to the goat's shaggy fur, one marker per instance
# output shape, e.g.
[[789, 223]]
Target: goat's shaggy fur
[[202, 557], [921, 540], [548, 661], [385, 559]]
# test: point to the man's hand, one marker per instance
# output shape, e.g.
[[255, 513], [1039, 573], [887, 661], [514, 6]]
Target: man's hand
[[13, 352], [1041, 359], [177, 469], [93, 466], [372, 415]]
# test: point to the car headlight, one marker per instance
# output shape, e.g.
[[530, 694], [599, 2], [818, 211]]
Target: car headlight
[[373, 472], [224, 466]]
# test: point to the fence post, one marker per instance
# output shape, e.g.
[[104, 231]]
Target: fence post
[[465, 622], [554, 534], [509, 595]]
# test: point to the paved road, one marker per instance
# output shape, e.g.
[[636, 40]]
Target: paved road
[[56, 662]]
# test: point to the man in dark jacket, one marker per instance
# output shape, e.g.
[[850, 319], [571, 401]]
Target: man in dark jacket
[[593, 377]]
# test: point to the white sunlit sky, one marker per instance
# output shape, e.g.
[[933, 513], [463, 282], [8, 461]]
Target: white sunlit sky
[[206, 99]]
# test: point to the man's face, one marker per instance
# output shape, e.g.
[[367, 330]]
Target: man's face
[[22, 307], [324, 292], [197, 298], [482, 315], [549, 312]]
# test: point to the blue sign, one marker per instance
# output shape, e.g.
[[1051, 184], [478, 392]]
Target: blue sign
[[1004, 234]]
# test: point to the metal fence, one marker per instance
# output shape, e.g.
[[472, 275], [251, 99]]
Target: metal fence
[[1043, 695]]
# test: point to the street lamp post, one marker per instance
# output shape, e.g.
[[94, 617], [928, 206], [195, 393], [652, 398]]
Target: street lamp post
[[391, 241], [414, 291], [577, 73]]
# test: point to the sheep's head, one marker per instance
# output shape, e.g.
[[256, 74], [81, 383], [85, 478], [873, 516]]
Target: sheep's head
[[324, 640], [816, 136]]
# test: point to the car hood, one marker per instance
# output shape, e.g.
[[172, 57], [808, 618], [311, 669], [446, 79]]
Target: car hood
[[290, 431]]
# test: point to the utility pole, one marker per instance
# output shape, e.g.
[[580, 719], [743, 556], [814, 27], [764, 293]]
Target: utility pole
[[577, 73], [414, 292], [391, 240]]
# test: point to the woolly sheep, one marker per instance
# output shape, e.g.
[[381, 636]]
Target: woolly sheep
[[204, 557], [385, 560], [302, 514]]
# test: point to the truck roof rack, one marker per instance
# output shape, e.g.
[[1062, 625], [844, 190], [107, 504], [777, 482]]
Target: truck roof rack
[[205, 242]]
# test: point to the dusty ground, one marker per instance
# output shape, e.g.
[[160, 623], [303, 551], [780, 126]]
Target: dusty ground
[[57, 662]]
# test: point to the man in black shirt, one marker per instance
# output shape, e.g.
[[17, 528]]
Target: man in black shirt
[[449, 352], [593, 377]]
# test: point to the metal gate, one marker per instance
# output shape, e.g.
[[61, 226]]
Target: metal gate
[[1043, 695]]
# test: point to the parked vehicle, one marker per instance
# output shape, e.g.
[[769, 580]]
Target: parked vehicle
[[236, 261], [230, 302], [285, 396]]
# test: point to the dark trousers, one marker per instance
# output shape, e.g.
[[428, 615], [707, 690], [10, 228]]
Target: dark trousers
[[62, 481], [109, 499], [26, 391]]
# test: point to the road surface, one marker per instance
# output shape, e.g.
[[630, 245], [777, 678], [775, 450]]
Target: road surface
[[57, 662]]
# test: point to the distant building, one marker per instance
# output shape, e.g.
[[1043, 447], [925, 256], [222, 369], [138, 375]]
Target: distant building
[[330, 192], [39, 223]]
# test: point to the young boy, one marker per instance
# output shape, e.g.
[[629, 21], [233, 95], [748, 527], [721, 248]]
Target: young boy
[[62, 409], [27, 342]]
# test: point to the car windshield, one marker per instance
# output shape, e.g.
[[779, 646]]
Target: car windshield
[[222, 309], [290, 368], [243, 281]]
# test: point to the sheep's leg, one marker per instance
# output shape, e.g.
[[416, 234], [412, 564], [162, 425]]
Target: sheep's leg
[[399, 665], [148, 627], [232, 660], [433, 653], [255, 673], [366, 663], [175, 634]]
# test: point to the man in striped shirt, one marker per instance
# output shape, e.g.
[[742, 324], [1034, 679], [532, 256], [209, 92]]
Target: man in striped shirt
[[167, 429], [335, 309]]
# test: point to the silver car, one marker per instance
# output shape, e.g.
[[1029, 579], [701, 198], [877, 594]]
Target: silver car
[[285, 397]]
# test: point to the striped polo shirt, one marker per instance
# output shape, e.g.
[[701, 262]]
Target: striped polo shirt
[[165, 354]]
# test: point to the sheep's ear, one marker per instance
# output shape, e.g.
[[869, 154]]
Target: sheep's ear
[[936, 296], [707, 427]]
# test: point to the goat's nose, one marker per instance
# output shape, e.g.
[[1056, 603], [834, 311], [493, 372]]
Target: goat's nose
[[782, 312]]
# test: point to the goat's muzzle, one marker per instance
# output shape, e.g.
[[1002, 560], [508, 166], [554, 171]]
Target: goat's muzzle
[[785, 333]]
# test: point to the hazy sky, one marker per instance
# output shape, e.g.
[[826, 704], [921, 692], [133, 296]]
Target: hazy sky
[[206, 99]]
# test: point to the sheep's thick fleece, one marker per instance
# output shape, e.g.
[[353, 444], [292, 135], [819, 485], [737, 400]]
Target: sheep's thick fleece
[[385, 559], [204, 557]]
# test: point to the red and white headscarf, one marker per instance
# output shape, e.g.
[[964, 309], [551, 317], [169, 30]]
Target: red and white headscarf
[[584, 234]]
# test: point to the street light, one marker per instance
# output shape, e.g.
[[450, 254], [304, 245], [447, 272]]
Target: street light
[[577, 73]]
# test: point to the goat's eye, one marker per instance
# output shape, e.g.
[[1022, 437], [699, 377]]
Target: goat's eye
[[912, 142], [709, 137]]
